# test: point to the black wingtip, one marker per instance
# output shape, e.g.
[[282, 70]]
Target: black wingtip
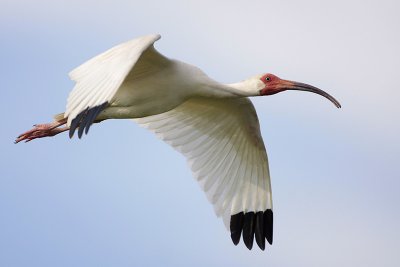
[[252, 224], [92, 115], [259, 230], [268, 225], [236, 226], [248, 229], [85, 119], [75, 123]]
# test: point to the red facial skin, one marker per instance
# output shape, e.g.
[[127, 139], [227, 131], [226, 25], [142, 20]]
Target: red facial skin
[[273, 84]]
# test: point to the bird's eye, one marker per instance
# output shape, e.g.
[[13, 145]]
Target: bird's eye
[[267, 79]]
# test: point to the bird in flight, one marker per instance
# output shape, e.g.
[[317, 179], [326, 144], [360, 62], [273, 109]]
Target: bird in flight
[[214, 125]]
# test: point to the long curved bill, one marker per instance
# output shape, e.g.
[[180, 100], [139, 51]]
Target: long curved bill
[[290, 85]]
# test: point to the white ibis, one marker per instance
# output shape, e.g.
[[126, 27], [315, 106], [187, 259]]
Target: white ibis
[[214, 125]]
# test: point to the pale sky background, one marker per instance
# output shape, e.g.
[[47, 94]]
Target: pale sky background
[[121, 197]]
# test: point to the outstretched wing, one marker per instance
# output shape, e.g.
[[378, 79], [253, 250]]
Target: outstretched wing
[[222, 142], [98, 80]]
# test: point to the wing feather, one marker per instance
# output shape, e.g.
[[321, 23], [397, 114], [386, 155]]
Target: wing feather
[[98, 79], [222, 142]]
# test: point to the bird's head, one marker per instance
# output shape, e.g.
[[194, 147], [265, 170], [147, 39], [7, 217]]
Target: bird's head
[[272, 84]]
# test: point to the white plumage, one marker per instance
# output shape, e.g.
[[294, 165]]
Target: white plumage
[[98, 79], [221, 140], [215, 126]]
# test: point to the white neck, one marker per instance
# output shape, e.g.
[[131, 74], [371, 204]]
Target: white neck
[[249, 87], [205, 86]]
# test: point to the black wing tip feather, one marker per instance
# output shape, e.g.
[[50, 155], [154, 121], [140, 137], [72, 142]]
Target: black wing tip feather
[[268, 225], [259, 230], [236, 226], [248, 229], [85, 119], [252, 224]]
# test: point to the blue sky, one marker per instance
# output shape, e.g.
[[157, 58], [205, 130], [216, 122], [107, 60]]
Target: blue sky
[[121, 197]]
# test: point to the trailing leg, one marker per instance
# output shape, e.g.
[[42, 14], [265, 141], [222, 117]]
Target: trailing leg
[[44, 130]]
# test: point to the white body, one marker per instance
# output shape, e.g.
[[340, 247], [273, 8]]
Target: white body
[[214, 125], [159, 92]]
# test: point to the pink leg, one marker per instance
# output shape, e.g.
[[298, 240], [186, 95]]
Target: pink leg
[[43, 130]]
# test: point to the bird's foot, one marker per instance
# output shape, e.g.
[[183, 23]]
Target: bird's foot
[[42, 130]]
